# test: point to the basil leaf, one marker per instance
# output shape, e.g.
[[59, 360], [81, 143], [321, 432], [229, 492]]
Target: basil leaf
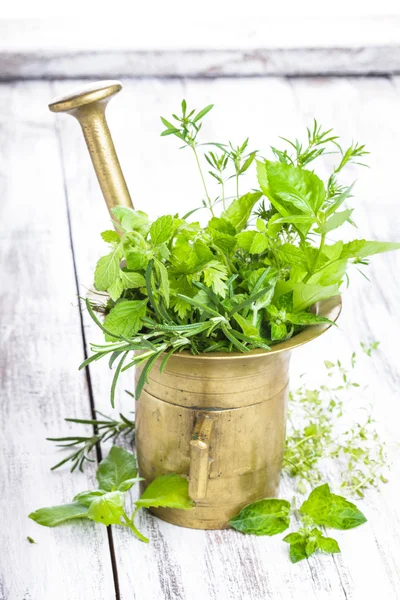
[[168, 491], [238, 212], [107, 509], [55, 515], [116, 469], [335, 221], [305, 294], [265, 517], [328, 544], [331, 510], [306, 318]]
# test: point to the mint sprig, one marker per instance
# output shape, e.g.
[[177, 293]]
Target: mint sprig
[[116, 474]]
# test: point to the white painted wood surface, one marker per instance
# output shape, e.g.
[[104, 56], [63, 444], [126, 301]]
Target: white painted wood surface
[[226, 45], [44, 165]]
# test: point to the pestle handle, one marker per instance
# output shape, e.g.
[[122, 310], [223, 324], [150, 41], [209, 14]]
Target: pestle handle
[[88, 106]]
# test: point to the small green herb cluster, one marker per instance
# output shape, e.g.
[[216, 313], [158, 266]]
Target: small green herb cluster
[[116, 474], [318, 430], [321, 509], [244, 281]]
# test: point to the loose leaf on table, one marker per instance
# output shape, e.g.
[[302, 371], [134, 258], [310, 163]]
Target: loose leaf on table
[[167, 491], [331, 510], [56, 515], [304, 544], [117, 471], [264, 517], [107, 509]]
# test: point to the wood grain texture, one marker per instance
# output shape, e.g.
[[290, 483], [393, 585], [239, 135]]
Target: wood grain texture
[[180, 564], [227, 46], [40, 347]]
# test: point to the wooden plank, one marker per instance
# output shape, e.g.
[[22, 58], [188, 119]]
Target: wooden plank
[[181, 563], [41, 348], [228, 45], [368, 111]]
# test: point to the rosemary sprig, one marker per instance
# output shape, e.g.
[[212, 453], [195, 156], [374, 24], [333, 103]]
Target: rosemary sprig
[[103, 430]]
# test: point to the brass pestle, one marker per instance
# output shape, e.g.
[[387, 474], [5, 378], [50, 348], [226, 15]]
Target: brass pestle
[[88, 105]]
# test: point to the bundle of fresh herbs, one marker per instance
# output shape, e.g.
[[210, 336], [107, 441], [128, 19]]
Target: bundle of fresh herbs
[[245, 280]]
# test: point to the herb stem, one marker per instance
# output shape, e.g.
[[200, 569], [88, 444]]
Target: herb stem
[[203, 180], [237, 184], [129, 523], [315, 264], [223, 194]]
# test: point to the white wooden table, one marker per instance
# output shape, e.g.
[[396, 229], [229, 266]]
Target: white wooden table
[[51, 216]]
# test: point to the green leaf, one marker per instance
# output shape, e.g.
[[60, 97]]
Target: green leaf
[[259, 243], [306, 318], [110, 236], [335, 221], [305, 294], [245, 239], [162, 230], [363, 248], [265, 517], [331, 510], [132, 220], [278, 331], [55, 515], [292, 255], [163, 280], [86, 498], [132, 280], [168, 491], [125, 318], [215, 275], [202, 113], [297, 552], [331, 273], [288, 187], [117, 468], [328, 544], [107, 509], [115, 290], [107, 270], [238, 212], [247, 327]]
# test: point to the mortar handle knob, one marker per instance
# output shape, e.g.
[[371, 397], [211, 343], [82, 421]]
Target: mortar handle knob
[[200, 456], [88, 105]]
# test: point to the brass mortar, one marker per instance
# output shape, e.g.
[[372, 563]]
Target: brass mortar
[[219, 418]]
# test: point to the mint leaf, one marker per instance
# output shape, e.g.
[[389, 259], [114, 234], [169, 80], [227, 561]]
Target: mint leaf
[[328, 544], [116, 469], [115, 290], [168, 491], [55, 515], [306, 318], [162, 230], [363, 248], [259, 243], [107, 509], [125, 318], [245, 239], [132, 220], [265, 517], [331, 510], [107, 270], [239, 211], [297, 552], [110, 236], [306, 543], [132, 280]]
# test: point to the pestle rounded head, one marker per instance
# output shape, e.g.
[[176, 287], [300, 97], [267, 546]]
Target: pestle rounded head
[[88, 94]]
